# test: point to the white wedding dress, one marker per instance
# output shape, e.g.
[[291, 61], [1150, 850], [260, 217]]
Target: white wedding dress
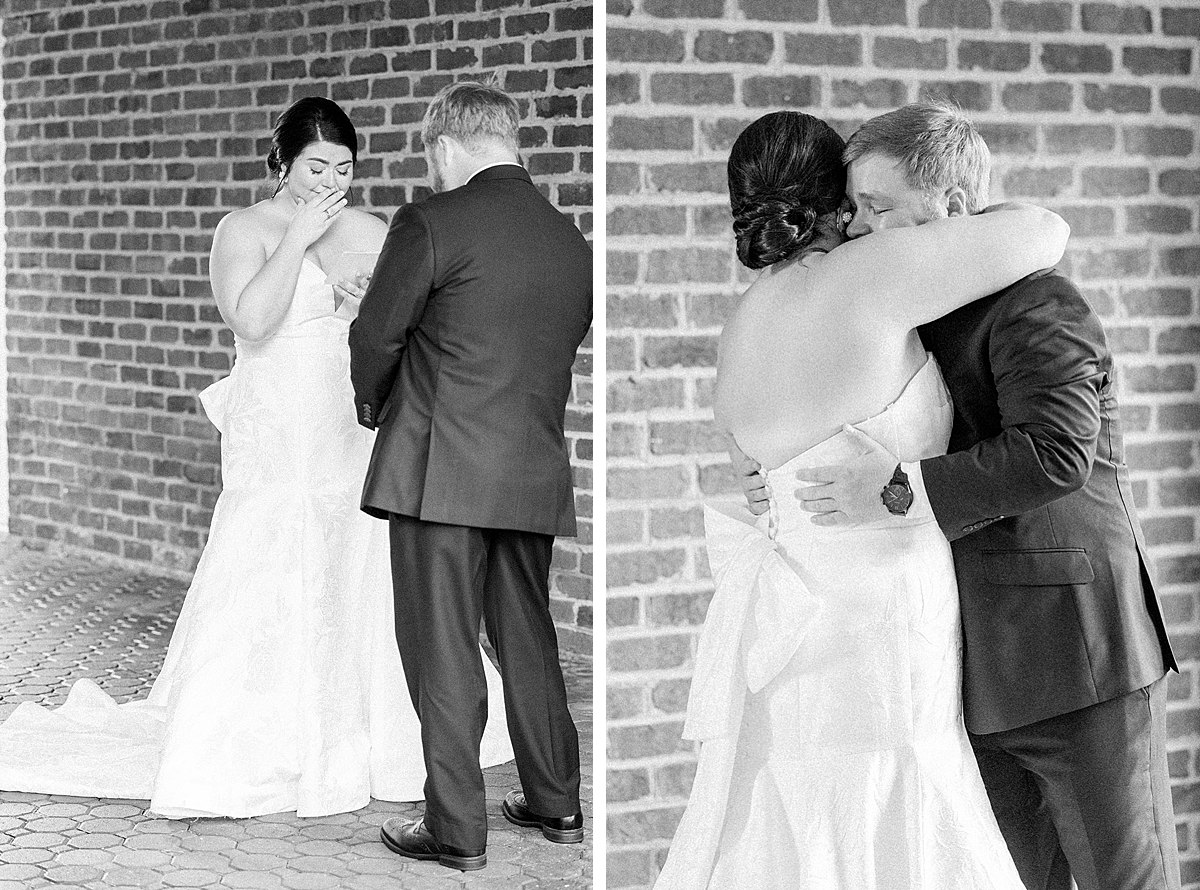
[[826, 696], [282, 687]]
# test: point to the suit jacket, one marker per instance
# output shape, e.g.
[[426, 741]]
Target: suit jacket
[[461, 356], [1058, 608]]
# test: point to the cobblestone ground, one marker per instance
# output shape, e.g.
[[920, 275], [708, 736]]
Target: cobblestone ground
[[63, 617]]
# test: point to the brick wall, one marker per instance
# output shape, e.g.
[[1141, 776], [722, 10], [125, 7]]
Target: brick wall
[[3, 334], [1090, 108], [132, 128]]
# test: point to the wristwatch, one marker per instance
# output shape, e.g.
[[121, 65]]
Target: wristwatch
[[897, 495]]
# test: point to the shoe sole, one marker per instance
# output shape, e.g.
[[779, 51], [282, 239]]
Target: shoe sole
[[462, 863], [556, 835]]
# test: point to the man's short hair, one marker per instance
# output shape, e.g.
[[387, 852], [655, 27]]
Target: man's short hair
[[936, 144], [473, 113]]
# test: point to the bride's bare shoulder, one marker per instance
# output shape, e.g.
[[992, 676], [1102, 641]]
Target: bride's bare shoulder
[[248, 227]]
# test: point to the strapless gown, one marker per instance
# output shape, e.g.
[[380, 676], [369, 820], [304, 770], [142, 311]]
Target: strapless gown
[[282, 687], [826, 695]]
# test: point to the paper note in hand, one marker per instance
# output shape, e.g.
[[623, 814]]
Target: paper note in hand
[[354, 266]]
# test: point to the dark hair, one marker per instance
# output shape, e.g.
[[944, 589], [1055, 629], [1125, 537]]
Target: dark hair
[[785, 171], [308, 120]]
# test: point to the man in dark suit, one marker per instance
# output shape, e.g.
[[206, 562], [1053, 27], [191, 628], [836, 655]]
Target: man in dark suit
[[461, 357], [1065, 651]]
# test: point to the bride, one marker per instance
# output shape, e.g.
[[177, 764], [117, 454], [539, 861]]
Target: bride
[[282, 687], [826, 688]]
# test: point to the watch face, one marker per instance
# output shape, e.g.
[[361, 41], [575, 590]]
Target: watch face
[[897, 498]]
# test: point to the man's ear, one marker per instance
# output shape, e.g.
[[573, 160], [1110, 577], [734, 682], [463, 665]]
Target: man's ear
[[956, 202]]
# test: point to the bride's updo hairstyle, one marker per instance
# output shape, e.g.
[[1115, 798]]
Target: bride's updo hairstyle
[[309, 120], [785, 171]]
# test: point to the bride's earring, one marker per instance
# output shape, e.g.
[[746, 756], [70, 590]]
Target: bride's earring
[[844, 220]]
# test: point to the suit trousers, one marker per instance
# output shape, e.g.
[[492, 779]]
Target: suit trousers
[[1087, 794], [445, 578]]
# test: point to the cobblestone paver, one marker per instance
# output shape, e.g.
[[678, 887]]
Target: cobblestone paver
[[63, 617]]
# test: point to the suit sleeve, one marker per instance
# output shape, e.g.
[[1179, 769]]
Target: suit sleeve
[[1048, 358], [391, 310]]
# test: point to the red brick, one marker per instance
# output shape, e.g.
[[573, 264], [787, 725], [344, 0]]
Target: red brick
[[1179, 417], [1180, 260], [1116, 97], [626, 568], [1179, 183], [623, 179], [1109, 263], [691, 177], [1156, 60], [623, 785], [634, 483], [875, 93], [1125, 340], [668, 266], [1037, 182], [867, 12], [633, 867], [968, 95], [1180, 100], [1171, 530], [1088, 220], [1161, 455], [751, 47], [823, 50], [784, 90], [792, 11], [1079, 139], [993, 55], [686, 437], [638, 654], [670, 523], [706, 310], [627, 45], [684, 8], [903, 52], [955, 14], [1024, 97], [1108, 18], [1076, 58], [719, 135], [678, 88], [1160, 219], [648, 134], [1157, 301], [662, 220], [1160, 378], [1105, 182], [1009, 138], [1179, 341], [1181, 22], [711, 219], [1179, 491]]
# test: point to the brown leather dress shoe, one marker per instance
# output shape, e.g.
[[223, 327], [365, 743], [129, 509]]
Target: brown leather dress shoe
[[560, 829], [412, 839]]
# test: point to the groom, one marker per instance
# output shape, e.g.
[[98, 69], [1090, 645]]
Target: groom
[[1064, 646], [461, 357]]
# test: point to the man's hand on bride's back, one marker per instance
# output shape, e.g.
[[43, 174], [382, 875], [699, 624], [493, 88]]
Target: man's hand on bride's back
[[850, 493], [754, 486]]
